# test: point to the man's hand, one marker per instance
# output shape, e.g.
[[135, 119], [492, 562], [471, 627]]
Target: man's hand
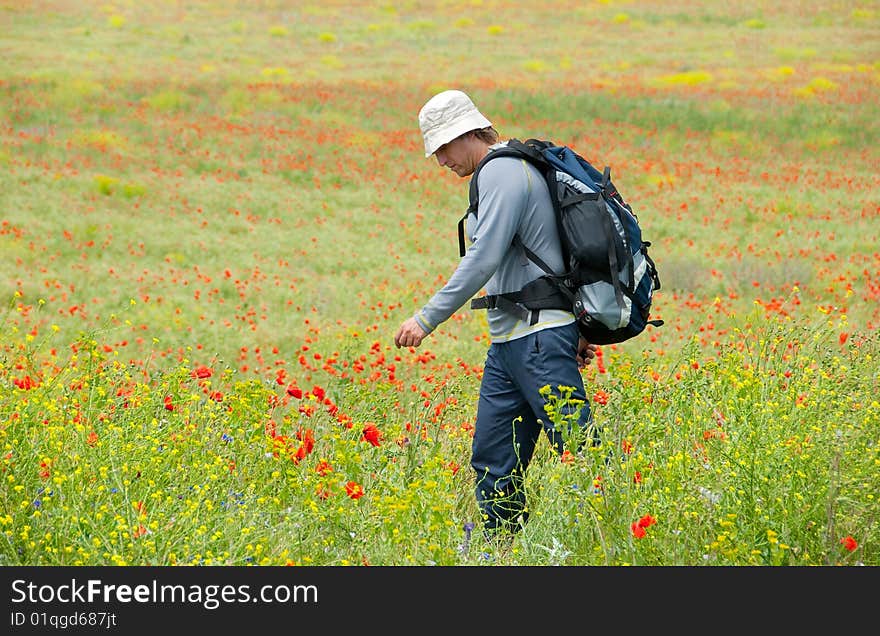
[[410, 334], [585, 353]]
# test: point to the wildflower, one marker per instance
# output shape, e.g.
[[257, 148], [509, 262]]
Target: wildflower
[[849, 543], [709, 496], [627, 447], [322, 492], [601, 397], [323, 467], [202, 372], [307, 437], [638, 527], [567, 457], [354, 490], [294, 391], [299, 455], [169, 403], [92, 439], [26, 383], [318, 392], [216, 396], [468, 528], [371, 434]]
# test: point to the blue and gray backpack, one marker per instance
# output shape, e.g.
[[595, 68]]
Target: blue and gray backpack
[[610, 280]]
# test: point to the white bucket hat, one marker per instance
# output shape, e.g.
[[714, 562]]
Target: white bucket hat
[[446, 116]]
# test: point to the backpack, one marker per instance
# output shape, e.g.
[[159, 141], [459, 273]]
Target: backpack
[[610, 279]]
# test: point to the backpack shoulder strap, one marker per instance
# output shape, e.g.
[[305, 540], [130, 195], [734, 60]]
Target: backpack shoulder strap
[[514, 148]]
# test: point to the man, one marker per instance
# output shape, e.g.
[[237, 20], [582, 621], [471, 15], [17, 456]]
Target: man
[[524, 355]]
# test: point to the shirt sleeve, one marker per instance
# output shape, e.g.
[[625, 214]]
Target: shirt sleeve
[[503, 185]]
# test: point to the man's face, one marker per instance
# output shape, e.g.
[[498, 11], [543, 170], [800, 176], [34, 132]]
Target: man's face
[[459, 155]]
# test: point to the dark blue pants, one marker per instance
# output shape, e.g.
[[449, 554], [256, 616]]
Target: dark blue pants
[[511, 415]]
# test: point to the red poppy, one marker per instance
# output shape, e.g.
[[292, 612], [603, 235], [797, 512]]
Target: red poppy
[[601, 397], [294, 391], [307, 437], [169, 403], [323, 467], [298, 456], [372, 434], [647, 521], [637, 531], [714, 433], [92, 439], [849, 543], [26, 383], [202, 372], [354, 490]]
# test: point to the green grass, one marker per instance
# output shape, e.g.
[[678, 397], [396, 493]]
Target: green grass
[[202, 210]]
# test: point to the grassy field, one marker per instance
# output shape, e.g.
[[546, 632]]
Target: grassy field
[[215, 215]]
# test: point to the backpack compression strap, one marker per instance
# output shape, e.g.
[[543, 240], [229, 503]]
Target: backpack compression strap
[[542, 293]]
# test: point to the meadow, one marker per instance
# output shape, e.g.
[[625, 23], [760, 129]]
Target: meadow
[[215, 215]]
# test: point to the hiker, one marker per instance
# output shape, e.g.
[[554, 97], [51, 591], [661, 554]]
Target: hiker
[[524, 355]]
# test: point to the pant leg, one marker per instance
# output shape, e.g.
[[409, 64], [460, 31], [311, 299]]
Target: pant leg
[[505, 435], [511, 414], [550, 360]]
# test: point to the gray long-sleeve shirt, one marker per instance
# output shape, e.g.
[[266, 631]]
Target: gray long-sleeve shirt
[[513, 200]]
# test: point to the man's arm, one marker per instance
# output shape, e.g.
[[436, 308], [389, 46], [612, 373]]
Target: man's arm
[[503, 188]]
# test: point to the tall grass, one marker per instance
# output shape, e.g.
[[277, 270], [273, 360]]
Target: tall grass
[[214, 219]]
